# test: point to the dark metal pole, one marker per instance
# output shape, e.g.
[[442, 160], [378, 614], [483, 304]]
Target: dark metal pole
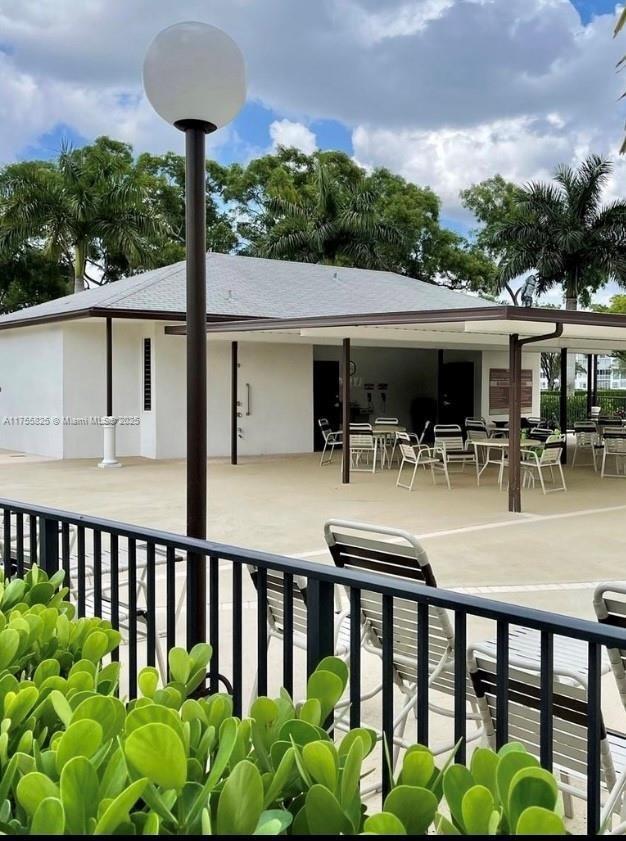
[[595, 379], [195, 232], [563, 403], [439, 385], [109, 367], [345, 470], [589, 384], [234, 408], [515, 411]]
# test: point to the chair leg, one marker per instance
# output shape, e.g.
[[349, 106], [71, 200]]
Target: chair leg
[[413, 476], [543, 484], [568, 800], [562, 477]]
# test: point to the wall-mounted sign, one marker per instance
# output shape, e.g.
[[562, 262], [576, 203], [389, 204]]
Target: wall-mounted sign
[[499, 390]]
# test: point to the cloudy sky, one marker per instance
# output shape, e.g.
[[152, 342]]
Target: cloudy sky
[[446, 92]]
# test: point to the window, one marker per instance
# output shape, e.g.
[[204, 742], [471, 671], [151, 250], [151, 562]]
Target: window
[[147, 375]]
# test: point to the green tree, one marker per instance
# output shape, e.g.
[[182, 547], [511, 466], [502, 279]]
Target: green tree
[[563, 233], [30, 277], [492, 202], [91, 206]]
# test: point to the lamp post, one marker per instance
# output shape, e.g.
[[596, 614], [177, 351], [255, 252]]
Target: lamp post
[[194, 77]]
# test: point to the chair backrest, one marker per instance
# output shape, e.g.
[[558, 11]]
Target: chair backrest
[[324, 427], [595, 411], [551, 453], [570, 710], [533, 422], [609, 603], [408, 453], [615, 443], [422, 434], [387, 421], [366, 547], [360, 427], [539, 434], [275, 600], [449, 436], [403, 437], [362, 441], [476, 430]]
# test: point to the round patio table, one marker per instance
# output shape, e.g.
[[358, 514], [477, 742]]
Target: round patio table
[[501, 445], [382, 432]]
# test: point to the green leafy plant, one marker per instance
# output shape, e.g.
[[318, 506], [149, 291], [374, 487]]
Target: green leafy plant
[[76, 759], [504, 793]]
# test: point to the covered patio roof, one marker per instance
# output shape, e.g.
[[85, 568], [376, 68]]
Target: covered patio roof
[[477, 327]]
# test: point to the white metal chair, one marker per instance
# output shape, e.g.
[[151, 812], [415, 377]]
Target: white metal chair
[[399, 554], [534, 464], [449, 448], [614, 446], [363, 452], [475, 430], [586, 436], [570, 715], [414, 456], [331, 440]]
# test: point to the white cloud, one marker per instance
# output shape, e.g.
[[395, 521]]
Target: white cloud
[[288, 133]]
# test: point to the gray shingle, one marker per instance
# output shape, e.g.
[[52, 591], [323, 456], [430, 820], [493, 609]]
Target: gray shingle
[[252, 286]]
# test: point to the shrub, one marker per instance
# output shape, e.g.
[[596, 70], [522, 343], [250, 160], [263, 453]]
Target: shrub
[[75, 759]]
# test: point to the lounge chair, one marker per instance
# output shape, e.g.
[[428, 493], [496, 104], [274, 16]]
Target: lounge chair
[[570, 715], [399, 554]]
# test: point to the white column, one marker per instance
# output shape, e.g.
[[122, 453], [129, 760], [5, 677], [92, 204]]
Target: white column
[[109, 459]]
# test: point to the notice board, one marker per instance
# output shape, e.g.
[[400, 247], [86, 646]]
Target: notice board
[[499, 390]]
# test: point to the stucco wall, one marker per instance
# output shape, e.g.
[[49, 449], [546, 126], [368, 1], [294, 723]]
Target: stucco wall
[[31, 383], [84, 385]]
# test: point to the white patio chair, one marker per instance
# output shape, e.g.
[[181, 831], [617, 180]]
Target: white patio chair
[[414, 456], [586, 436], [534, 465], [449, 448], [615, 448], [399, 554], [570, 715], [363, 452], [475, 431], [331, 440]]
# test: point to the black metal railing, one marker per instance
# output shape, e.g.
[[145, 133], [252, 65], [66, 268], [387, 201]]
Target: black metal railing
[[612, 403], [117, 571]]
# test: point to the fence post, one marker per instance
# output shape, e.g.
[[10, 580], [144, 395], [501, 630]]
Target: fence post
[[49, 545], [320, 641]]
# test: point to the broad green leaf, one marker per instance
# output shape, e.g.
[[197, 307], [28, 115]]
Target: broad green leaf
[[147, 681], [95, 646], [351, 775], [321, 764], [9, 644], [384, 823], [456, 781], [82, 738], [281, 777], [531, 787], [417, 768], [117, 811], [79, 794], [157, 752], [476, 808], [311, 711], [367, 737], [180, 664], [273, 822], [483, 768], [61, 707], [508, 765], [241, 801], [32, 789], [300, 731], [324, 815], [152, 714], [109, 712], [336, 666], [20, 704], [415, 807], [443, 826], [49, 818], [327, 687], [536, 820]]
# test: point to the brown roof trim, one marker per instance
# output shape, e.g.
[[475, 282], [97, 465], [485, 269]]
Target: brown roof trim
[[110, 312], [495, 313]]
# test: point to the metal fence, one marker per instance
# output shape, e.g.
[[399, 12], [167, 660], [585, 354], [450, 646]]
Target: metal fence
[[116, 571], [610, 402]]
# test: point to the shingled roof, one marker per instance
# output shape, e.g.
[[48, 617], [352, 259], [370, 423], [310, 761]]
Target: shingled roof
[[251, 287]]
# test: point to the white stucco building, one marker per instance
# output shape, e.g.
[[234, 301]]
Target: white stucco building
[[53, 361]]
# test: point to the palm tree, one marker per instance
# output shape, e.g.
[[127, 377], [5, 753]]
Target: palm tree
[[88, 206], [336, 223], [564, 234]]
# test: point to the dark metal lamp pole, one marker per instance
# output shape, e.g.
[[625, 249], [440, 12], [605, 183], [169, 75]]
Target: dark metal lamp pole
[[195, 240]]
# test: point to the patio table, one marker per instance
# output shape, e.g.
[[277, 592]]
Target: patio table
[[501, 445], [568, 654]]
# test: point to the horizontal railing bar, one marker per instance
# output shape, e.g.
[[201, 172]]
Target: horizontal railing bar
[[527, 617]]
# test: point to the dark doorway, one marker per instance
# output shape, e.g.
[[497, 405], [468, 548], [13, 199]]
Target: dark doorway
[[456, 391], [325, 396]]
